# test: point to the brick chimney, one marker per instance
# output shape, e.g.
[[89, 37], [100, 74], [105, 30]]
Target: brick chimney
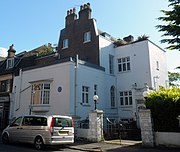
[[11, 52], [85, 12], [71, 16]]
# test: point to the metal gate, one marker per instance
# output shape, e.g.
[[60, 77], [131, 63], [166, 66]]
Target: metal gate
[[126, 130]]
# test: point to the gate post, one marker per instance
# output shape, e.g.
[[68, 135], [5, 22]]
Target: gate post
[[146, 127], [95, 133]]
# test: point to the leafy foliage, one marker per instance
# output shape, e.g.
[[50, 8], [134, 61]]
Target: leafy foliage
[[171, 28], [173, 78], [45, 50], [165, 108], [142, 37]]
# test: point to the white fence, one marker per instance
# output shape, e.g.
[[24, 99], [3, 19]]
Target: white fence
[[169, 139]]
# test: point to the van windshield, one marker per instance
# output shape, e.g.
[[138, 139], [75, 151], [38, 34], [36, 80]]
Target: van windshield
[[62, 122]]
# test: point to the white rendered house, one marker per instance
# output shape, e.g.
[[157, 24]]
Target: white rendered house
[[117, 74]]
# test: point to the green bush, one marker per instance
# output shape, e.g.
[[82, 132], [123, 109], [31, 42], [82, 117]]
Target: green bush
[[165, 108]]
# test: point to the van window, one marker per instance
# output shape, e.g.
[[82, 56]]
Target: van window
[[34, 121], [16, 122], [62, 122]]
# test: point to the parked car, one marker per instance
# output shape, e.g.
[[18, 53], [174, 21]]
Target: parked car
[[40, 130]]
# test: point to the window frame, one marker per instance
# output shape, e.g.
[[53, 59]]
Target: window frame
[[40, 94], [125, 98], [124, 64], [87, 37], [95, 89], [85, 95], [10, 63], [65, 43], [112, 97], [111, 64], [157, 65]]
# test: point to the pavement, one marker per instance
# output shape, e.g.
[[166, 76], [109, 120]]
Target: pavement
[[101, 146]]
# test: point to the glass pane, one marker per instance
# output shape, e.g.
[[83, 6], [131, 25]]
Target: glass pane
[[119, 60], [128, 66], [83, 98], [46, 86], [120, 67], [62, 122], [125, 93], [86, 98], [130, 100], [126, 100], [121, 101], [124, 66]]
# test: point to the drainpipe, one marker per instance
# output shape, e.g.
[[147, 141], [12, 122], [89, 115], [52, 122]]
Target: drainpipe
[[75, 87], [20, 84]]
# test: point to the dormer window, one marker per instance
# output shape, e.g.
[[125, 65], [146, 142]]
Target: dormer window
[[10, 63], [87, 37], [65, 44]]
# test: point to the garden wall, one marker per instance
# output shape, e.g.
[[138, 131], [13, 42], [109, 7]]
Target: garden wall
[[168, 139]]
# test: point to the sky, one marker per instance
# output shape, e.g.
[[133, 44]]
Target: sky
[[29, 24]]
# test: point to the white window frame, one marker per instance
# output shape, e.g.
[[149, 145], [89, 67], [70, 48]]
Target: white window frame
[[40, 93], [87, 37], [157, 65], [112, 95], [111, 64], [10, 63], [65, 43], [85, 95], [125, 98], [124, 64], [95, 89]]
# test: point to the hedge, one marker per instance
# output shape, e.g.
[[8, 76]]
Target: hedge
[[165, 108]]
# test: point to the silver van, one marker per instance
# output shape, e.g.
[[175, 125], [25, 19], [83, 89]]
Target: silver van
[[40, 130]]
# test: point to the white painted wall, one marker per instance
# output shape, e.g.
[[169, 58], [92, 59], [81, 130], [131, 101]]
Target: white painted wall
[[62, 75], [59, 74], [168, 139], [159, 76], [87, 76], [106, 49], [139, 60], [143, 57]]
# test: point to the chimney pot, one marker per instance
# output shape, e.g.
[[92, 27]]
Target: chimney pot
[[85, 6], [71, 11], [81, 7], [68, 13], [88, 5], [74, 10], [11, 47]]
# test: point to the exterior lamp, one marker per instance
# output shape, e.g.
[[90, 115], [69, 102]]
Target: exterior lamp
[[95, 98], [145, 94]]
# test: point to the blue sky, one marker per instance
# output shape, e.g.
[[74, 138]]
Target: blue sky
[[30, 23]]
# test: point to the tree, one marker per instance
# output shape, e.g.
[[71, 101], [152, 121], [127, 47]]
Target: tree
[[172, 26], [173, 78]]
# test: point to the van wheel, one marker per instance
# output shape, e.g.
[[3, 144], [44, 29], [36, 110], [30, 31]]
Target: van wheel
[[38, 143], [5, 138]]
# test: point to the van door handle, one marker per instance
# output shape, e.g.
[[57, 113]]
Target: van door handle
[[19, 128]]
